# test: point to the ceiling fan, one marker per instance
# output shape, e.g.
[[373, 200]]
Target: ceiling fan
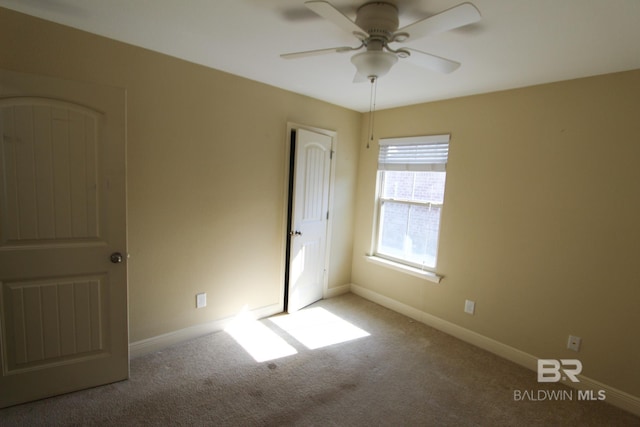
[[376, 27]]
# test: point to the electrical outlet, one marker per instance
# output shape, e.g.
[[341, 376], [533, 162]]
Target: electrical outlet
[[574, 343], [469, 306], [201, 300]]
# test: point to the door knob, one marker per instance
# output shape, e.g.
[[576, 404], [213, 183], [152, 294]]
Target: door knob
[[116, 258]]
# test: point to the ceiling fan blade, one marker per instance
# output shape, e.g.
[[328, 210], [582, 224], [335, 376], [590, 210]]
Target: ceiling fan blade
[[330, 13], [316, 52], [432, 62], [457, 16]]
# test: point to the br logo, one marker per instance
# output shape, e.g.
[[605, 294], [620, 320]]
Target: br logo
[[552, 370]]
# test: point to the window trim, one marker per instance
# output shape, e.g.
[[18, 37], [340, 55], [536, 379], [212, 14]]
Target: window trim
[[406, 266], [377, 235]]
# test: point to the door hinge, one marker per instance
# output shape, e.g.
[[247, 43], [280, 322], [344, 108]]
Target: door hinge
[[331, 154], [327, 214]]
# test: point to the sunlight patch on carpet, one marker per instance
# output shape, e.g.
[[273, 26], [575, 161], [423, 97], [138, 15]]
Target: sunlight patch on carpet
[[317, 327], [257, 339]]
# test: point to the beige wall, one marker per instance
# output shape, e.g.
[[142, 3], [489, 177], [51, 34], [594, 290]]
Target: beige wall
[[206, 167], [541, 224]]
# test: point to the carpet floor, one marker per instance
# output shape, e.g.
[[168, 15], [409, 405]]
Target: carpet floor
[[350, 362]]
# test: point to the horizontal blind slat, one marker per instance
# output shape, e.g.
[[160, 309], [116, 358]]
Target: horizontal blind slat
[[427, 154]]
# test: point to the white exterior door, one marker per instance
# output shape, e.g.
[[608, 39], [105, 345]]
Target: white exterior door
[[309, 218], [63, 299]]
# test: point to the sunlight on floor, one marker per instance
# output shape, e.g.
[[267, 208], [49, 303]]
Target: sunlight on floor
[[317, 327], [258, 340], [312, 327]]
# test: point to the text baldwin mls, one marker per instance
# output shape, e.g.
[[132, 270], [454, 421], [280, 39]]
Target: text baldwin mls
[[543, 395]]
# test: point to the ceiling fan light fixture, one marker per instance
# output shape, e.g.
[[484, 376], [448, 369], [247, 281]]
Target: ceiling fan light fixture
[[374, 63]]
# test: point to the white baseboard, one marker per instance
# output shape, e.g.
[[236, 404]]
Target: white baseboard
[[614, 396], [337, 290], [159, 342]]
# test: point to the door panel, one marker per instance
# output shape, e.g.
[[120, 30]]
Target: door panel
[[309, 221], [63, 304], [49, 323], [50, 174]]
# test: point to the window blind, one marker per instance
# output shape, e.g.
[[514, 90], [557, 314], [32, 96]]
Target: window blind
[[417, 153]]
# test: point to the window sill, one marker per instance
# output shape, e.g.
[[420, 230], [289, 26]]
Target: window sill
[[427, 275]]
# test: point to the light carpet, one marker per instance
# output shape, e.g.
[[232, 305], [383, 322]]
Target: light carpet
[[403, 373]]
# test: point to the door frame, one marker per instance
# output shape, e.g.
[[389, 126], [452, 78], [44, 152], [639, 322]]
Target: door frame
[[288, 199]]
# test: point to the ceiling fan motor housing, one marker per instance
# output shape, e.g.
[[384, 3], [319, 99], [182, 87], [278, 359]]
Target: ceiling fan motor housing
[[376, 26], [379, 19]]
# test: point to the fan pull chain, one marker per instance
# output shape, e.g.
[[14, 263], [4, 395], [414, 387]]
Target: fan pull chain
[[372, 107]]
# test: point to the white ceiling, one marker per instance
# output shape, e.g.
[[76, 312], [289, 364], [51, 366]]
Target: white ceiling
[[517, 43]]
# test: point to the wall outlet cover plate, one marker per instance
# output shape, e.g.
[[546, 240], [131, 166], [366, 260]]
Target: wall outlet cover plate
[[201, 300], [469, 306], [574, 343]]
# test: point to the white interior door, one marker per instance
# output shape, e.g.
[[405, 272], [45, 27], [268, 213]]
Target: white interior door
[[309, 218], [63, 299]]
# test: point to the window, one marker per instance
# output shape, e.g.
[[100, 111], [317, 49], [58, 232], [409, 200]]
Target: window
[[411, 175]]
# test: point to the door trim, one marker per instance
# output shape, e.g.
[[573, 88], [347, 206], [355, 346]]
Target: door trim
[[292, 127]]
